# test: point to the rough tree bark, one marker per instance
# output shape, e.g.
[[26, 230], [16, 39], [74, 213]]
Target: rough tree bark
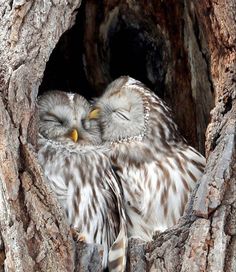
[[200, 63], [34, 235]]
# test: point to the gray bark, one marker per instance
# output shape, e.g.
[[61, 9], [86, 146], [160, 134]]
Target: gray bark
[[34, 234]]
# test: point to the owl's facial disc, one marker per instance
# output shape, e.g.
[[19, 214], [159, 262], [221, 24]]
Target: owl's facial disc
[[120, 115], [63, 118]]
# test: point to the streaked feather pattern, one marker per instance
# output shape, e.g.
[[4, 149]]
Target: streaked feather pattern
[[156, 166], [83, 180]]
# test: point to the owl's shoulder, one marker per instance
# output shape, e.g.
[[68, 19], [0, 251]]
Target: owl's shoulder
[[136, 152]]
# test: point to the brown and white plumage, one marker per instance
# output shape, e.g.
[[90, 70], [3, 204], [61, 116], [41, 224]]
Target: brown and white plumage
[[157, 168], [81, 175]]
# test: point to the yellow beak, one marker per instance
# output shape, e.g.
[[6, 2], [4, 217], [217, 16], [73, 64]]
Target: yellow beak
[[74, 135], [94, 114]]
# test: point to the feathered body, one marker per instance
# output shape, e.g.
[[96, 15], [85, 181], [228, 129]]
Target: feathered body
[[156, 167], [81, 175]]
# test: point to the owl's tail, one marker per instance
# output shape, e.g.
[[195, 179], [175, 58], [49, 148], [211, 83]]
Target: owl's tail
[[117, 252]]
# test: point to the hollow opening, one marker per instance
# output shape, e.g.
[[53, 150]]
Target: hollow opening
[[65, 69], [142, 57], [106, 42]]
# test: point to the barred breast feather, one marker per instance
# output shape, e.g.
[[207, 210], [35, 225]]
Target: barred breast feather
[[156, 167], [87, 188]]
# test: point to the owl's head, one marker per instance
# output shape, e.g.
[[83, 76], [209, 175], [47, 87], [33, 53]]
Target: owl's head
[[120, 111], [62, 118]]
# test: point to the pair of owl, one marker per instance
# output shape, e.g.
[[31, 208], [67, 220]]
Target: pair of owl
[[119, 168]]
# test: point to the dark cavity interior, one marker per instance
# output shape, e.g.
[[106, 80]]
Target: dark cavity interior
[[107, 42]]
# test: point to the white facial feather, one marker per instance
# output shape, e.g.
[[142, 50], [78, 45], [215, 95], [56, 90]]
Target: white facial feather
[[122, 114], [60, 113], [71, 96]]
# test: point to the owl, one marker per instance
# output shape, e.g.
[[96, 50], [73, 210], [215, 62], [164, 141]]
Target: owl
[[80, 174], [156, 167]]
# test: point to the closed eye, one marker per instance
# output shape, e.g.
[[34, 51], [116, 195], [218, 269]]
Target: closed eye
[[52, 118], [123, 115]]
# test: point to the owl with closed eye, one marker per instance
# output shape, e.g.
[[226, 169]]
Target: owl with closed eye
[[80, 174], [155, 165]]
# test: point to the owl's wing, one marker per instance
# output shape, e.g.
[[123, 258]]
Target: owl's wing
[[52, 164], [117, 252]]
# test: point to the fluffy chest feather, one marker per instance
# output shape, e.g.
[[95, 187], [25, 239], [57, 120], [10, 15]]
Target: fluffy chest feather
[[80, 182], [156, 189]]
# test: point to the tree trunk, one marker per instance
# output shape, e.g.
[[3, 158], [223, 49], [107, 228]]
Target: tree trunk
[[185, 52], [34, 235]]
